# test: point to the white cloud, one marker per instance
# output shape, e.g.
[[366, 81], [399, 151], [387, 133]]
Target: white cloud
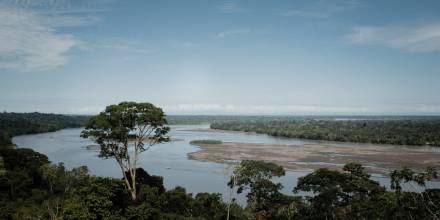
[[76, 106], [229, 33], [30, 36], [416, 38], [183, 44], [390, 109], [29, 41], [60, 6], [301, 13], [124, 45], [230, 7], [69, 20], [258, 109]]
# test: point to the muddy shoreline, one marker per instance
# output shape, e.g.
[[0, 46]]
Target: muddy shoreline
[[308, 157]]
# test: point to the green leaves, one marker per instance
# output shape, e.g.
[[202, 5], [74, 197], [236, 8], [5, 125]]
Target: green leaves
[[124, 129], [357, 170], [408, 175], [113, 128], [251, 171], [264, 195], [97, 200]]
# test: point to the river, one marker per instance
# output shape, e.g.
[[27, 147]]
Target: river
[[168, 160]]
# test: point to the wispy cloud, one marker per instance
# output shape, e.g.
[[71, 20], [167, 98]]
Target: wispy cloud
[[30, 42], [123, 45], [302, 13], [61, 6], [184, 44], [230, 7], [413, 38], [232, 32], [69, 20], [257, 109], [323, 9]]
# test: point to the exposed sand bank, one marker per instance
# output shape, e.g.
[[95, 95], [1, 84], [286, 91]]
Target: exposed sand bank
[[377, 159]]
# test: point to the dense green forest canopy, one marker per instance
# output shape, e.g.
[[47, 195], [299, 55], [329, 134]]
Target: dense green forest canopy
[[12, 124], [33, 188], [402, 130]]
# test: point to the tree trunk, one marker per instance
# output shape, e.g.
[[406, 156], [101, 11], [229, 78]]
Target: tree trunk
[[259, 216], [229, 210], [133, 184], [133, 195], [229, 203], [131, 187]]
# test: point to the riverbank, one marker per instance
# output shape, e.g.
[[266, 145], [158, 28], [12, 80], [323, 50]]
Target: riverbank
[[308, 157], [409, 130]]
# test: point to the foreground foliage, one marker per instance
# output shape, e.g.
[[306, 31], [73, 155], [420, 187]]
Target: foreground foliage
[[331, 194], [33, 188]]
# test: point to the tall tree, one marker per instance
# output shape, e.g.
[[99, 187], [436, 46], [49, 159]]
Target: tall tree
[[124, 131], [256, 176]]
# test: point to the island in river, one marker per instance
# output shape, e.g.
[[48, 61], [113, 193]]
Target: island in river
[[310, 156]]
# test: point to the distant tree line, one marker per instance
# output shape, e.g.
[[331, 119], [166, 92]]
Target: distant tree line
[[209, 119], [201, 119], [12, 124], [404, 131]]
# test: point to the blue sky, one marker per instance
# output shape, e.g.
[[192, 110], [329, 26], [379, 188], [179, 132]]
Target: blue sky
[[221, 57]]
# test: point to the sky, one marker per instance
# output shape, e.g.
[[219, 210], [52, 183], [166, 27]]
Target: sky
[[311, 57]]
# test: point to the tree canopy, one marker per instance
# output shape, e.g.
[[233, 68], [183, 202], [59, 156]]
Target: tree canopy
[[125, 130], [13, 124]]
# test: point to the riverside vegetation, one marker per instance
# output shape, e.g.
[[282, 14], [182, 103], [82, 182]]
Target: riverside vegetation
[[13, 124], [377, 130], [196, 142], [33, 188]]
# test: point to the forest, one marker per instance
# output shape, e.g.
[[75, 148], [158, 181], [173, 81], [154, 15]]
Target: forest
[[378, 130], [12, 124], [31, 187]]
